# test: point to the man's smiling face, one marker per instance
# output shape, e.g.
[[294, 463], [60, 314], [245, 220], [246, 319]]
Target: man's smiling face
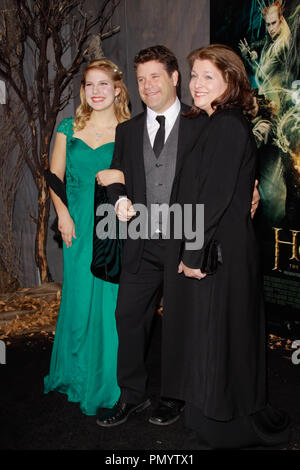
[[156, 87]]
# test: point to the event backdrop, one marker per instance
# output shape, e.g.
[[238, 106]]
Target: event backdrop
[[181, 25], [266, 35]]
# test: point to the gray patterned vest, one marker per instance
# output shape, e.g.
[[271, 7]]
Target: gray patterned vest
[[160, 173]]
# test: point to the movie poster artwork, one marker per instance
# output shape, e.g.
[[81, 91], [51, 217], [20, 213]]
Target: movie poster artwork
[[266, 34]]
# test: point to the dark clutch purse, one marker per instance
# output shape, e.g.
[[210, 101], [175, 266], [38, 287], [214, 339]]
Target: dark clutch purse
[[107, 252], [212, 257]]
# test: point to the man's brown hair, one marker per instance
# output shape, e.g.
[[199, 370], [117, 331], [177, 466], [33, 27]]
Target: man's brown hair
[[160, 53]]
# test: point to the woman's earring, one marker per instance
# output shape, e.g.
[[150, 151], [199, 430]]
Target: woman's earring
[[117, 100]]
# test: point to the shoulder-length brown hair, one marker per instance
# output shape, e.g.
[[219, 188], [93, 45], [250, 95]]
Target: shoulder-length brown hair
[[238, 92]]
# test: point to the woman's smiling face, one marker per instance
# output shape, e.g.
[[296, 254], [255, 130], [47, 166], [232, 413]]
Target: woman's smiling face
[[206, 84], [100, 91]]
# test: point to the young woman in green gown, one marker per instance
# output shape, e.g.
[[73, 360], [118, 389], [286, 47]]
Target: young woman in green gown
[[84, 356]]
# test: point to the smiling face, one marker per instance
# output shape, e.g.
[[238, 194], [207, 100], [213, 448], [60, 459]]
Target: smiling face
[[273, 21], [156, 87], [206, 84], [99, 89]]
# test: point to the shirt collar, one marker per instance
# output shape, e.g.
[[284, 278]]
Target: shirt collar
[[170, 113]]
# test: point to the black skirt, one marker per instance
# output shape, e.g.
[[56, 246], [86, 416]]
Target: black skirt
[[268, 427]]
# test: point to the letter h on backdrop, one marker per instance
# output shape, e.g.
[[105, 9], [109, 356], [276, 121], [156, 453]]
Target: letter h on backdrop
[[279, 242]]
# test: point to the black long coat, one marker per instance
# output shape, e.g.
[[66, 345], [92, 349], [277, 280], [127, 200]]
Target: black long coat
[[213, 353]]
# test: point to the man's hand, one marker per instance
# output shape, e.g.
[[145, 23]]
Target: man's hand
[[255, 199], [245, 50], [244, 47], [190, 272], [125, 210]]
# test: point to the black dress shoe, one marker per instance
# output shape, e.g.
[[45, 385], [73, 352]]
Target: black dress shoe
[[167, 412], [120, 413]]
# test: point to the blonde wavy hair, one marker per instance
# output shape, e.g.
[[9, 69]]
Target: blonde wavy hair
[[83, 112]]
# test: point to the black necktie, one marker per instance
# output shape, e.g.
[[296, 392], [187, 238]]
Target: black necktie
[[159, 140]]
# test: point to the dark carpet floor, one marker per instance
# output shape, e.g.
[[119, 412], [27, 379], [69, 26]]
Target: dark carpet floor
[[30, 420]]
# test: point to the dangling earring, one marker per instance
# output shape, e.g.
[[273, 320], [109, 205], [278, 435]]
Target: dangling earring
[[117, 100]]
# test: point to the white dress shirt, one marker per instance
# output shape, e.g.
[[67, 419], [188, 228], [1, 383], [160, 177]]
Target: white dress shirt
[[170, 114]]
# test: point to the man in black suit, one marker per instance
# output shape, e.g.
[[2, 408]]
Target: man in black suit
[[150, 152]]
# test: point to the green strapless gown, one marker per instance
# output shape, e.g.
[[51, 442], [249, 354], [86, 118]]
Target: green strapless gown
[[84, 356]]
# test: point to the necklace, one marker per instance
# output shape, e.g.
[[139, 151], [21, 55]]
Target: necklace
[[99, 134]]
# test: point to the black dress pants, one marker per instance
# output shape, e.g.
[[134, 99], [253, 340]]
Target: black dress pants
[[138, 299]]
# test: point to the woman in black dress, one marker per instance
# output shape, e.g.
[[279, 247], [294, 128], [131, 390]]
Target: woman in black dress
[[214, 332]]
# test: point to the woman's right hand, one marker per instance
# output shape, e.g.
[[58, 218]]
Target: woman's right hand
[[67, 228], [190, 272]]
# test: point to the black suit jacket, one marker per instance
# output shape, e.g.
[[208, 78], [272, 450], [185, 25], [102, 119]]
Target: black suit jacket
[[128, 157]]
